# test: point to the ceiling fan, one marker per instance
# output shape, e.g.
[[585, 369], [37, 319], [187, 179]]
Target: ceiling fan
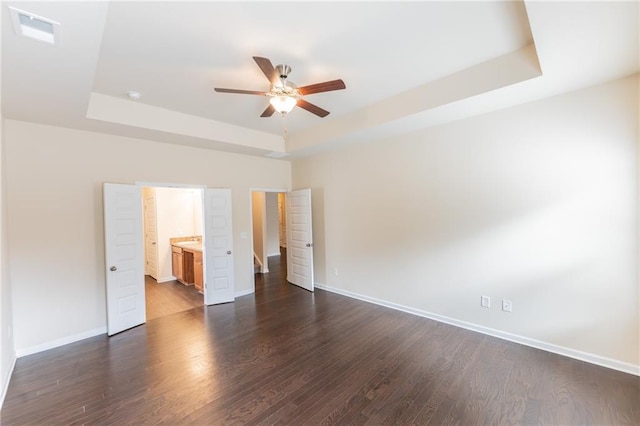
[[283, 94]]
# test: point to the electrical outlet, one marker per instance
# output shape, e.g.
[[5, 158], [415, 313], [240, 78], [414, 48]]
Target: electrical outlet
[[507, 305], [335, 272], [485, 301]]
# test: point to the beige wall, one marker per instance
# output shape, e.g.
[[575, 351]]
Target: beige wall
[[271, 210], [54, 198], [536, 204], [258, 229]]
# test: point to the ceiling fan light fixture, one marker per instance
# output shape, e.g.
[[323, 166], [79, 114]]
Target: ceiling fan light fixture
[[283, 104]]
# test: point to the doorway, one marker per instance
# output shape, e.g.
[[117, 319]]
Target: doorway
[[124, 252], [268, 230], [295, 230], [172, 215]]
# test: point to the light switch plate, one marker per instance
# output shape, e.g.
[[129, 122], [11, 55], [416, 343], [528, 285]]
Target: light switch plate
[[485, 301]]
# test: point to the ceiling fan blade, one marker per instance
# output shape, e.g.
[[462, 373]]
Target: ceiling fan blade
[[269, 111], [267, 68], [327, 86], [314, 109], [242, 92]]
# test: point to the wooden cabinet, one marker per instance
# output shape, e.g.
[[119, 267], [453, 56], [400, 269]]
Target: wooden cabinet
[[198, 280], [186, 263], [187, 266], [177, 263]]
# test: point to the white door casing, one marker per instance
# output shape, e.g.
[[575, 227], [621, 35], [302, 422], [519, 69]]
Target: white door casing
[[218, 247], [299, 239], [124, 257], [282, 220], [150, 237]]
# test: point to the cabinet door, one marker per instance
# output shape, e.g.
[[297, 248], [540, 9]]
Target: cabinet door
[[187, 267], [176, 265], [197, 271]]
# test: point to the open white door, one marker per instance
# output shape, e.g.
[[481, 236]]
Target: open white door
[[218, 247], [124, 257], [299, 239]]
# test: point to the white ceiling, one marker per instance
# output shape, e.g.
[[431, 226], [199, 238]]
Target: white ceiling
[[406, 65]]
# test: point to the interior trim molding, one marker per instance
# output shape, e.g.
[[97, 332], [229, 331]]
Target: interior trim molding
[[60, 342], [613, 364], [5, 388]]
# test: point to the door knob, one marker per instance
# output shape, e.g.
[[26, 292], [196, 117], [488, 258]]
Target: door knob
[[154, 243], [228, 251], [308, 244], [113, 268]]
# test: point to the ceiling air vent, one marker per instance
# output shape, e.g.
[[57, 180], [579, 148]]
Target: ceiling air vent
[[33, 26]]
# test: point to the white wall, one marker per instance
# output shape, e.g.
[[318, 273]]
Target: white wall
[[54, 198], [175, 214], [273, 231], [259, 230], [536, 204], [197, 200], [7, 352]]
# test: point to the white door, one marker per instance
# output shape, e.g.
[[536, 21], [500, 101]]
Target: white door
[[150, 238], [124, 257], [299, 239], [218, 247]]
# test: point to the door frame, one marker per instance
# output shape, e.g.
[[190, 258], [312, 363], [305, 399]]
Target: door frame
[[250, 236]]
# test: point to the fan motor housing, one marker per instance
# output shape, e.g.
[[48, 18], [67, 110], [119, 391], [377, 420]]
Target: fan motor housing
[[283, 70]]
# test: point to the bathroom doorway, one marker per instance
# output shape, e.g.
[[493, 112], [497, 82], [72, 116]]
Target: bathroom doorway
[[172, 224]]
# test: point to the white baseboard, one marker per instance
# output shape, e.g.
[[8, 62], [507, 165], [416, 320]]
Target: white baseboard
[[243, 293], [274, 254], [60, 342], [166, 279], [5, 388], [545, 346]]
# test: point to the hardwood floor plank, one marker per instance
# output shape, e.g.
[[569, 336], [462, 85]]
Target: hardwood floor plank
[[287, 356], [162, 299]]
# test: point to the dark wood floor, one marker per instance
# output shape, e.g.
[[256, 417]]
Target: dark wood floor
[[169, 297], [287, 356]]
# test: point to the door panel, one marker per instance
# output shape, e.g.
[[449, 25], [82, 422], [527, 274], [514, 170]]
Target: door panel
[[218, 247], [299, 239], [124, 257], [150, 237]]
